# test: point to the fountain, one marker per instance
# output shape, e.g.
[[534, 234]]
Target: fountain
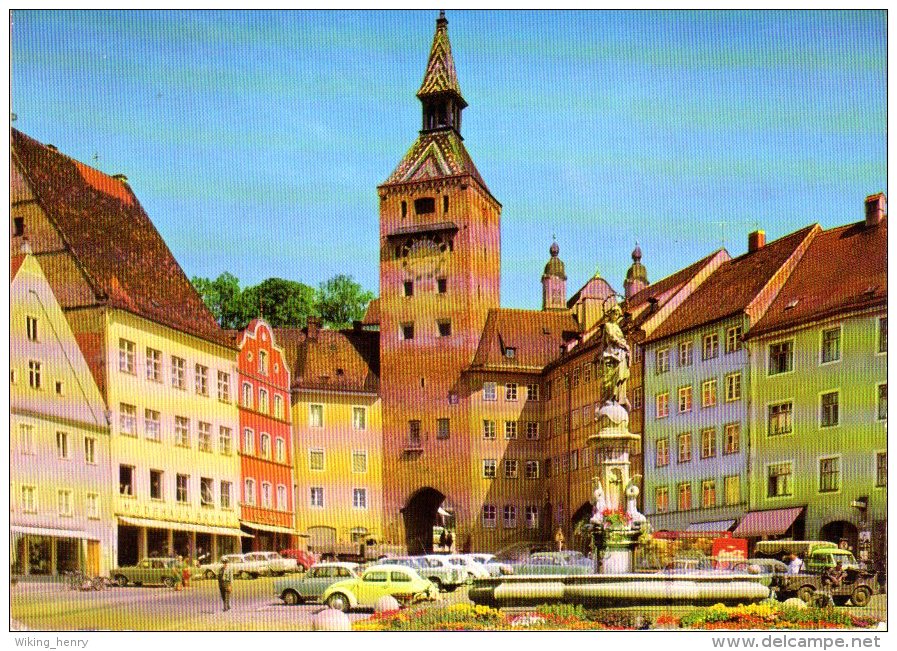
[[616, 526]]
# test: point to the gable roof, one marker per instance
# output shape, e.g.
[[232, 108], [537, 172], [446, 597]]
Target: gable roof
[[732, 286], [372, 313], [435, 155], [332, 360], [535, 336], [113, 240], [844, 269]]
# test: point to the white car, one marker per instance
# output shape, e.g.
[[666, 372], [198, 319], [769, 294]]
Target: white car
[[240, 566], [495, 568], [474, 569], [277, 564]]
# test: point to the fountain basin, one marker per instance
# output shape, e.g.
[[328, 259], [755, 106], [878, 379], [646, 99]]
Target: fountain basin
[[615, 590]]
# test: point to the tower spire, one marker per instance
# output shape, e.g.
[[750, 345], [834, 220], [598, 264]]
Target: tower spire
[[440, 92]]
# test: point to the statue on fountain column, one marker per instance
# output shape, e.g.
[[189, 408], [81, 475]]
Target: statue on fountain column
[[615, 359]]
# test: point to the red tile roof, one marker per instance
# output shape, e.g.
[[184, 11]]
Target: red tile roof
[[535, 336], [732, 286], [335, 360], [113, 240], [15, 263], [372, 314], [844, 269]]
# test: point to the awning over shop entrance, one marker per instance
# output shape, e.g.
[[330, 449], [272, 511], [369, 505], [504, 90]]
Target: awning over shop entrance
[[57, 533], [767, 523], [268, 527], [716, 525], [183, 526]]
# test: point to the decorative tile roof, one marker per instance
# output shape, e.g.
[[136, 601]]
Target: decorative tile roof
[[332, 360], [536, 338], [732, 286], [440, 76], [844, 269], [113, 240], [435, 155]]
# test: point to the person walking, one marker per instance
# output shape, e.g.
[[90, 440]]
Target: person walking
[[225, 582]]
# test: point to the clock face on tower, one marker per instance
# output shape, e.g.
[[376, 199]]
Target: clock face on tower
[[425, 256]]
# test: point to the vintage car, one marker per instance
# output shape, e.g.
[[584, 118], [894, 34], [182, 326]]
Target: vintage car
[[149, 571], [563, 563], [493, 566], [311, 585], [241, 567], [403, 583], [437, 569], [303, 558], [857, 587], [277, 564], [474, 569]]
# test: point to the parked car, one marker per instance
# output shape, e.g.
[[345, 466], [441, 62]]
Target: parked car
[[857, 587], [474, 570], [311, 585], [445, 576], [493, 566], [303, 558], [277, 564], [239, 564], [541, 563], [403, 583], [149, 571]]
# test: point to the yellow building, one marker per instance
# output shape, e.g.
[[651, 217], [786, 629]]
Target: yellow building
[[337, 422], [164, 367], [60, 506]]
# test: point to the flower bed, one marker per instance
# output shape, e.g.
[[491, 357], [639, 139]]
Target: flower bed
[[467, 617]]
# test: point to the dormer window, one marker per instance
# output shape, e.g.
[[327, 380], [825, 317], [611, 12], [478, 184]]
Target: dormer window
[[510, 353]]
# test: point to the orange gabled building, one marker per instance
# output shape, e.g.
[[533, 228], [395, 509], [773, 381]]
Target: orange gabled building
[[265, 441]]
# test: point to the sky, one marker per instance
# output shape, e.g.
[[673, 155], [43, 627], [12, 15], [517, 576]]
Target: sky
[[256, 141]]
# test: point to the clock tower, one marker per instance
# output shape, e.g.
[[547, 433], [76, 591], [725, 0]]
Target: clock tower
[[440, 258]]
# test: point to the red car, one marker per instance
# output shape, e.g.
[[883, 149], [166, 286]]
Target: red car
[[303, 558]]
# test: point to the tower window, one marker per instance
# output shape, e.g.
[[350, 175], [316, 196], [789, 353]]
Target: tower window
[[445, 328], [409, 288], [404, 209], [445, 203], [18, 224], [425, 205], [407, 331], [441, 285]]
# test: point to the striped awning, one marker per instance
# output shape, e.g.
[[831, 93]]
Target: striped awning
[[767, 523], [182, 526], [716, 525]]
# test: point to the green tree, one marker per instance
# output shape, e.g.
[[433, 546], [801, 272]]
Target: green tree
[[340, 301], [223, 297], [282, 303]]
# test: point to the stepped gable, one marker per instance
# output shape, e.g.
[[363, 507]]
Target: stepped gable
[[333, 360], [435, 155], [732, 286], [536, 337], [113, 240], [844, 269]]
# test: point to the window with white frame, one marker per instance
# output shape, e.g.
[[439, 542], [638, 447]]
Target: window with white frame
[[575, 376], [182, 431], [225, 490], [265, 445], [225, 440], [684, 446], [662, 401], [153, 365], [127, 419], [263, 362], [316, 459], [316, 497], [126, 480], [511, 466], [489, 516], [708, 393], [708, 493], [830, 475], [829, 416], [178, 372], [223, 386], [26, 439], [204, 436], [489, 468], [182, 488], [732, 438], [831, 345], [489, 391], [489, 430], [263, 401], [34, 374], [532, 430], [883, 401], [661, 499], [92, 506], [511, 391], [662, 452], [708, 443], [733, 387], [510, 430], [156, 485], [531, 516], [586, 373], [359, 498], [266, 494], [206, 491], [316, 415], [359, 418], [249, 491], [31, 327], [531, 469], [278, 406], [127, 351], [710, 346], [247, 395], [532, 392], [29, 499], [684, 399], [65, 502], [732, 488], [281, 497], [359, 461], [62, 445], [248, 441], [152, 425], [684, 502], [779, 418], [201, 379], [662, 361], [781, 358], [509, 516], [280, 450], [778, 480], [686, 353], [733, 339]]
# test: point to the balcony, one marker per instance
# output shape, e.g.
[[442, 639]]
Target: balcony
[[414, 443]]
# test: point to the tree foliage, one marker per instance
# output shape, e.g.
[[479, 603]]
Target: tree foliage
[[281, 302]]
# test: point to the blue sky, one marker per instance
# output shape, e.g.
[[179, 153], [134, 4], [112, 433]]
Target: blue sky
[[256, 141]]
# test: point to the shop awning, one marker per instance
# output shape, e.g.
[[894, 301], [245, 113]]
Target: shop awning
[[716, 525], [56, 533], [767, 523], [183, 526], [268, 527]]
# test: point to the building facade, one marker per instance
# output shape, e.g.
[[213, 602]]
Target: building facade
[[60, 465]]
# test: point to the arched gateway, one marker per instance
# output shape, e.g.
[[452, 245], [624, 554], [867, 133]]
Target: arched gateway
[[423, 511]]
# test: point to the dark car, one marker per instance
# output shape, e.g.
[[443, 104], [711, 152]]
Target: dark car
[[302, 557]]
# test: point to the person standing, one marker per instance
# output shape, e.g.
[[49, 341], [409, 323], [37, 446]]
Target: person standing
[[225, 582], [796, 566]]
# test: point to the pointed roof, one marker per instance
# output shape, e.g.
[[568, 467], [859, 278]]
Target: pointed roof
[[844, 269], [733, 286], [113, 240], [435, 155], [440, 76]]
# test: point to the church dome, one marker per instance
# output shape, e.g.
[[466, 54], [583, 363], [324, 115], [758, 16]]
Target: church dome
[[637, 271], [555, 266]]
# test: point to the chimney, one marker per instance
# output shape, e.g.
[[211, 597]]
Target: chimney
[[756, 240], [312, 327], [875, 209], [120, 177]]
